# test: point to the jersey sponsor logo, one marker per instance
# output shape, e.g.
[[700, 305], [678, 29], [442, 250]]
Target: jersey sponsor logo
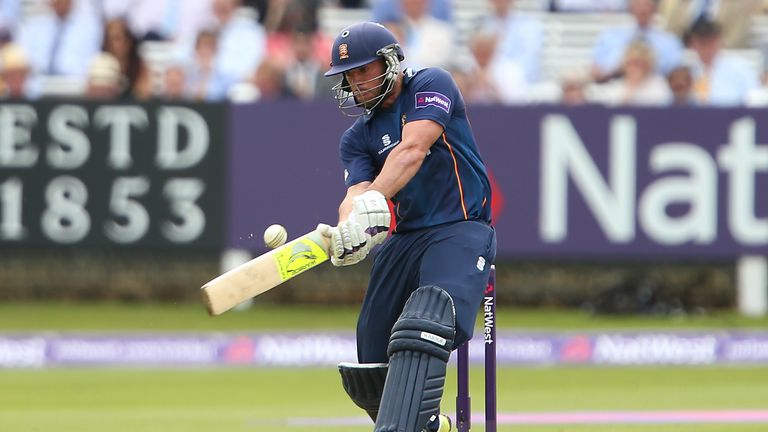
[[425, 99], [386, 141]]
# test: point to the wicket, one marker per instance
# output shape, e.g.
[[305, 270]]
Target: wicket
[[463, 403]]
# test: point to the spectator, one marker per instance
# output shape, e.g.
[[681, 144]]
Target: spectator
[[266, 84], [680, 83], [120, 42], [242, 42], [10, 15], [735, 17], [387, 11], [203, 81], [719, 78], [428, 41], [640, 84], [174, 83], [14, 73], [105, 80], [520, 36], [176, 21], [494, 79], [288, 16], [62, 40], [573, 87], [611, 44], [304, 75]]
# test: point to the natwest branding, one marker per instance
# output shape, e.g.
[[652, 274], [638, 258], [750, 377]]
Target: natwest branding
[[424, 99], [671, 193]]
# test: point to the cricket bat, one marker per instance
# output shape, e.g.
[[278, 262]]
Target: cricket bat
[[265, 272]]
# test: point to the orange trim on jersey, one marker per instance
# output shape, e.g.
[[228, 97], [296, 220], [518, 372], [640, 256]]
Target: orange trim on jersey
[[458, 179]]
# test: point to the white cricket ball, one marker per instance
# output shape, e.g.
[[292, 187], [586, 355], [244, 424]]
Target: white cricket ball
[[275, 236]]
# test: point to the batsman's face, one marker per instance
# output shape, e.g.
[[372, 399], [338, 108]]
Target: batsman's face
[[367, 82]]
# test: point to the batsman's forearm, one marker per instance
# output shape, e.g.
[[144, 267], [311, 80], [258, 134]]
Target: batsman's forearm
[[345, 208], [401, 166]]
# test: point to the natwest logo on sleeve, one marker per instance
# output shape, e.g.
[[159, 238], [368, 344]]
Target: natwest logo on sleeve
[[425, 99]]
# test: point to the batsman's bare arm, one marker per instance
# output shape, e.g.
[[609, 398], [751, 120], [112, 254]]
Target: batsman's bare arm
[[401, 165]]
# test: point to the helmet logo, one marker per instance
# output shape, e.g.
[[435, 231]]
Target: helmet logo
[[343, 52]]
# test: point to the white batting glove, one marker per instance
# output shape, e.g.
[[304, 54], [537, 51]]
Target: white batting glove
[[371, 211], [348, 243]]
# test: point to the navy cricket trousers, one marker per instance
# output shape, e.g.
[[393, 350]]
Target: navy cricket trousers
[[456, 257]]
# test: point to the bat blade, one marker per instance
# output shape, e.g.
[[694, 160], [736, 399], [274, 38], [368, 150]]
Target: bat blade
[[265, 272]]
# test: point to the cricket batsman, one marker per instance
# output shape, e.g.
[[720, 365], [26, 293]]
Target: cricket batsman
[[411, 144]]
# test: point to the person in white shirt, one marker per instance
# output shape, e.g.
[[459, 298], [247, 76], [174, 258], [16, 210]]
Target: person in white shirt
[[429, 41], [61, 40], [640, 84], [520, 36], [494, 79], [609, 49], [718, 78], [242, 42]]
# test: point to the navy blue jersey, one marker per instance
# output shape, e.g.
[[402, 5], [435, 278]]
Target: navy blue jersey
[[452, 184]]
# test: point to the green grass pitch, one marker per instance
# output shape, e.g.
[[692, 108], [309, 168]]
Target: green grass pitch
[[234, 400]]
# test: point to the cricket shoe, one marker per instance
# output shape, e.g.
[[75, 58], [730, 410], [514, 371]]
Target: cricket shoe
[[439, 423]]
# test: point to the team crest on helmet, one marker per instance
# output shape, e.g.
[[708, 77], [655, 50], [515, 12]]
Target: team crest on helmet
[[343, 52]]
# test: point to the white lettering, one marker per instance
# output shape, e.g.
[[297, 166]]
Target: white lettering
[[120, 119], [699, 189], [741, 159], [16, 147], [564, 154], [70, 147], [171, 154]]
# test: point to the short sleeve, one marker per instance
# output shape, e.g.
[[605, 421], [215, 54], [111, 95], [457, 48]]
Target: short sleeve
[[435, 96], [358, 164]]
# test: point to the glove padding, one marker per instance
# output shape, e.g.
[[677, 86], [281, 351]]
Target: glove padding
[[367, 226], [371, 211], [348, 243]]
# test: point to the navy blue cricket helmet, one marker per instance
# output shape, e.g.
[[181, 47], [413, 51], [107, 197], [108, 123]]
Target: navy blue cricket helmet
[[357, 45]]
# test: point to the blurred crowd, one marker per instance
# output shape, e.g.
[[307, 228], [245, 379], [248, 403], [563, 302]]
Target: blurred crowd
[[671, 51]]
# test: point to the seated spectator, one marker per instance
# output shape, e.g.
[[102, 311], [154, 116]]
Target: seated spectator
[[203, 80], [10, 15], [611, 44], [428, 41], [680, 83], [242, 42], [719, 78], [177, 21], [174, 83], [520, 36], [288, 16], [386, 11], [304, 74], [734, 16], [494, 79], [119, 42], [266, 84], [61, 40], [14, 73], [640, 84], [573, 87], [105, 80]]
